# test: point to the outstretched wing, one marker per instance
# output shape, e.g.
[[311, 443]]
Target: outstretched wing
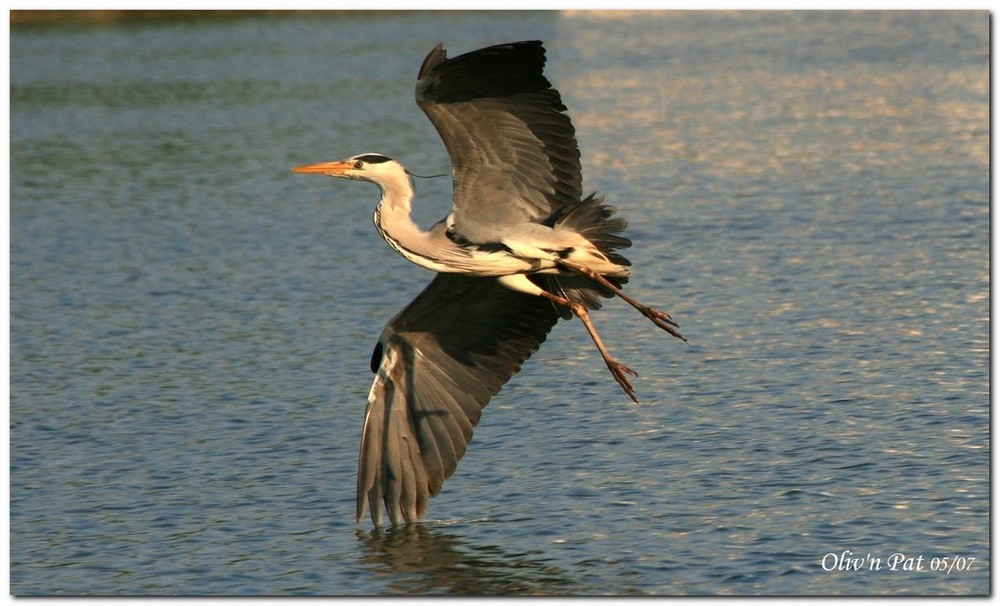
[[513, 150], [437, 364]]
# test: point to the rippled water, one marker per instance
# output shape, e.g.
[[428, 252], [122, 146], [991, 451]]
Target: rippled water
[[191, 324]]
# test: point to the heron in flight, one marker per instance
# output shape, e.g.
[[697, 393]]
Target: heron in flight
[[521, 248]]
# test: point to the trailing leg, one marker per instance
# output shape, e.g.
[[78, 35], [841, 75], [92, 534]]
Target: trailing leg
[[660, 318], [618, 370]]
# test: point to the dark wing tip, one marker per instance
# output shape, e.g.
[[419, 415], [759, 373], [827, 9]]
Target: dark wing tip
[[434, 58], [494, 71]]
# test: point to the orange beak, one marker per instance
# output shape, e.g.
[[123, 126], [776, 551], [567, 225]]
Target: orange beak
[[333, 169]]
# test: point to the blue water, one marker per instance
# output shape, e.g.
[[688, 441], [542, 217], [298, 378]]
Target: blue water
[[191, 323]]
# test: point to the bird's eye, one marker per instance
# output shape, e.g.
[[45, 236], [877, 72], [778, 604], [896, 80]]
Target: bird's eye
[[358, 164]]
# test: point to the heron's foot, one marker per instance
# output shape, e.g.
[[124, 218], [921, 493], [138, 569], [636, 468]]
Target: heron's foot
[[664, 321], [620, 372]]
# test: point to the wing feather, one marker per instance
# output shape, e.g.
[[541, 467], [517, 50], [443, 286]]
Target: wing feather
[[512, 147], [439, 361]]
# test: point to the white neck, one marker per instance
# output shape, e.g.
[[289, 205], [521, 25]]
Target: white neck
[[393, 221]]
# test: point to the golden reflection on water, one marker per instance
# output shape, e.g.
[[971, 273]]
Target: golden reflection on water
[[760, 122]]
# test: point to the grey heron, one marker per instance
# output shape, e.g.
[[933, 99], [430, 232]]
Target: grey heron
[[521, 248]]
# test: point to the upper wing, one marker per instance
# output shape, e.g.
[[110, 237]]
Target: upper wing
[[513, 151], [437, 364]]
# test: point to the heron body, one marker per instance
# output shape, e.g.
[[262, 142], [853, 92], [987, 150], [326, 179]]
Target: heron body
[[506, 251], [521, 248]]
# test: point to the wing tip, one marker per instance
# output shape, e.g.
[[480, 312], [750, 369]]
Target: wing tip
[[520, 53], [434, 58]]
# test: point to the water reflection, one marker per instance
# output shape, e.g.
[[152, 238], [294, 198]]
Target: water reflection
[[417, 560]]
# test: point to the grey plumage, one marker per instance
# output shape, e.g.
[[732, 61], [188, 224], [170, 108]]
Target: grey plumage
[[428, 396]]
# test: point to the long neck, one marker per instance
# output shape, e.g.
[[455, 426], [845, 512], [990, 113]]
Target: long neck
[[393, 221]]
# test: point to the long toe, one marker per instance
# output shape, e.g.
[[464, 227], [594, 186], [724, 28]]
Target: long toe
[[659, 316], [664, 321], [619, 371]]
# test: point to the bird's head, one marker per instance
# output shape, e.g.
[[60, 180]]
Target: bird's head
[[376, 168]]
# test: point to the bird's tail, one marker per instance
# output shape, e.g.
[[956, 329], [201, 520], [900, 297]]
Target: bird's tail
[[596, 222]]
